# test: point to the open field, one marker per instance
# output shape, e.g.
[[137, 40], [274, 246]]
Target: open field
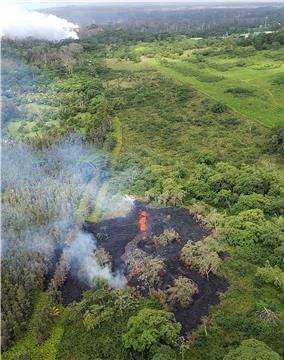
[[255, 95], [240, 77]]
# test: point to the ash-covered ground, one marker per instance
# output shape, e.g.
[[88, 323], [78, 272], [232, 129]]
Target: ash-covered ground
[[123, 234]]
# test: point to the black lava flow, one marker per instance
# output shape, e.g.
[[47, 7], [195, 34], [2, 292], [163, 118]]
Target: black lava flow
[[114, 234]]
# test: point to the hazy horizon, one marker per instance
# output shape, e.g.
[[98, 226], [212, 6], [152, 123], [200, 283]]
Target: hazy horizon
[[31, 5]]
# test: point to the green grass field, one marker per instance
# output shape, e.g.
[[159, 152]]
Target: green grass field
[[215, 74], [264, 104]]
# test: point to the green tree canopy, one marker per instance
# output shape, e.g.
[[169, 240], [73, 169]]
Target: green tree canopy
[[149, 328], [252, 350]]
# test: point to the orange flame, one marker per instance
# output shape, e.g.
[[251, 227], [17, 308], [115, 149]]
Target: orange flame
[[143, 223]]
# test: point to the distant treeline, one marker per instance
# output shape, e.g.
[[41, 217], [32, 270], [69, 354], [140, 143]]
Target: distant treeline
[[211, 19]]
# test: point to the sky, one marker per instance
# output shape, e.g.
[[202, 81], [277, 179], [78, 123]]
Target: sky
[[30, 4]]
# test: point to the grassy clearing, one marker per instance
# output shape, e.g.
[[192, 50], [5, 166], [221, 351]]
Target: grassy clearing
[[169, 122], [265, 106], [23, 128]]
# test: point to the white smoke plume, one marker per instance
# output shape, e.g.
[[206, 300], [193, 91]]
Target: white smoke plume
[[41, 193], [20, 23], [82, 254]]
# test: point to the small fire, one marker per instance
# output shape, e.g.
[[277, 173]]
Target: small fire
[[143, 223]]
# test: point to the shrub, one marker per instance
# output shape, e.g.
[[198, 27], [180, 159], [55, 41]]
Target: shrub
[[146, 268], [202, 256], [275, 143], [168, 236], [279, 80], [164, 352], [271, 275], [43, 325], [152, 271], [96, 315], [149, 328], [249, 228], [219, 108], [182, 291], [252, 201], [240, 91], [251, 350], [103, 258]]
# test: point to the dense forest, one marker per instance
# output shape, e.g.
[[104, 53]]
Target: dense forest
[[196, 19], [142, 189]]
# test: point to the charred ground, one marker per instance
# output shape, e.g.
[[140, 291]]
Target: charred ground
[[122, 234]]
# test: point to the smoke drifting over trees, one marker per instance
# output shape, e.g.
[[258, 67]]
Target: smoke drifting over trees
[[20, 23], [41, 192]]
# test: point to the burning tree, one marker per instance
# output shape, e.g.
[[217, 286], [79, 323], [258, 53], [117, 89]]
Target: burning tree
[[182, 291], [203, 256], [168, 236]]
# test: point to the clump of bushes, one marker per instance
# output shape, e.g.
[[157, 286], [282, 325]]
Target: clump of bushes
[[249, 228], [167, 237], [252, 349], [42, 325], [276, 142], [96, 315], [240, 91], [218, 108], [202, 256], [103, 258], [222, 184], [164, 352], [222, 66], [182, 291], [207, 215], [145, 268], [279, 80], [150, 328], [208, 78], [271, 275]]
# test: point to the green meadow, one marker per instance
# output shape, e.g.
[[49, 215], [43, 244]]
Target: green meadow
[[246, 81]]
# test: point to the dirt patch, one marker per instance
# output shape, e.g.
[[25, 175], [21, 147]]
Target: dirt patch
[[73, 289]]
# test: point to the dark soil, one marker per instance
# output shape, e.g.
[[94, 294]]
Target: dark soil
[[208, 295], [73, 289], [114, 235]]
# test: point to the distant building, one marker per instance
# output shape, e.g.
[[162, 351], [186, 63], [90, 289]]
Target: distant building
[[256, 33]]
